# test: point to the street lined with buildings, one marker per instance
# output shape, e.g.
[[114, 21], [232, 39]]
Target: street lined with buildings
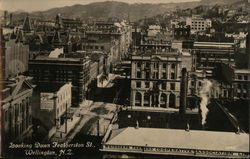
[[175, 84]]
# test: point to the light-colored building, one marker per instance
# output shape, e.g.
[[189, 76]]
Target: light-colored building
[[198, 24], [153, 30], [241, 83], [16, 56], [155, 79], [51, 105]]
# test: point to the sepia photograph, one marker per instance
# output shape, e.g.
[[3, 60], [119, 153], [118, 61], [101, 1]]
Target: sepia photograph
[[111, 79]]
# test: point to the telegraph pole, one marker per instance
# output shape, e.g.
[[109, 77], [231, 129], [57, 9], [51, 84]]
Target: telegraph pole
[[66, 119]]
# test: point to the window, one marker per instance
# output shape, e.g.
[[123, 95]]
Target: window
[[164, 86], [156, 65], [147, 65], [173, 66], [138, 65], [164, 65], [138, 74], [164, 75], [156, 75], [147, 75], [192, 83], [172, 75], [172, 86], [199, 83], [239, 77], [147, 84], [245, 77], [138, 84]]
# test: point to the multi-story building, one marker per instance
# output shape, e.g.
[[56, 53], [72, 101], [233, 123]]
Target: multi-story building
[[16, 55], [237, 81], [107, 45], [155, 79], [241, 83], [51, 105], [16, 96], [61, 70], [65, 23], [121, 32], [198, 24], [158, 43], [181, 31], [153, 30], [207, 54]]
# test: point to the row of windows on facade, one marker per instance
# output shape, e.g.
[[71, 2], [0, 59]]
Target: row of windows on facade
[[156, 65], [243, 95], [206, 55], [155, 75], [198, 22], [194, 28], [242, 86], [62, 107], [63, 96], [95, 47], [163, 86], [181, 33], [241, 77], [196, 25], [20, 108], [62, 76], [146, 97]]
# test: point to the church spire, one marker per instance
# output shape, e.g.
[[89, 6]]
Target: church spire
[[57, 38], [27, 24], [20, 37]]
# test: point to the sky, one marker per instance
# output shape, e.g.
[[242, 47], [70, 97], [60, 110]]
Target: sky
[[40, 5]]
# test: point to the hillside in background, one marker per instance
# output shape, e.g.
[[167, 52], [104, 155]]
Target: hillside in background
[[121, 10]]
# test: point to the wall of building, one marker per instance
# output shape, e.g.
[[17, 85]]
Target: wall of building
[[155, 83], [63, 70], [16, 58], [16, 111]]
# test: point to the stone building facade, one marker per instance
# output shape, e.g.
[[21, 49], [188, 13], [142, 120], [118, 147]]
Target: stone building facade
[[16, 95], [155, 80]]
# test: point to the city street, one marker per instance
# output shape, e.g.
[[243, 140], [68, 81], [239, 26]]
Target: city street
[[95, 116]]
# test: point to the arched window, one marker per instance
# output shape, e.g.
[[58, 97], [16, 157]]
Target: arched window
[[172, 100], [138, 99], [163, 100], [146, 99]]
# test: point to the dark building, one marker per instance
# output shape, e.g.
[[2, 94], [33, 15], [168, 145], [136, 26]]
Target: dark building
[[16, 95], [182, 32], [27, 28], [237, 79], [208, 54], [62, 70]]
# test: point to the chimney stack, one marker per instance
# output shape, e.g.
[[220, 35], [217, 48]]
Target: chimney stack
[[183, 92]]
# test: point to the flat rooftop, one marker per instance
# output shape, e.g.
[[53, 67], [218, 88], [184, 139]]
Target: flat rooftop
[[159, 109], [175, 138]]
